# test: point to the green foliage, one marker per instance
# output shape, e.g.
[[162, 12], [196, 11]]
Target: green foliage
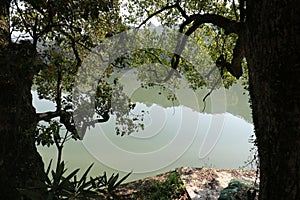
[[64, 36], [141, 9], [45, 135], [171, 188], [111, 184], [50, 133], [215, 40], [57, 184], [63, 33], [61, 186]]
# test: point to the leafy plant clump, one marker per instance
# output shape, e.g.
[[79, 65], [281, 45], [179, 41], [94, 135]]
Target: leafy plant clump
[[171, 188], [61, 186]]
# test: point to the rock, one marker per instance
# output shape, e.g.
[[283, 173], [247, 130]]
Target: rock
[[239, 190]]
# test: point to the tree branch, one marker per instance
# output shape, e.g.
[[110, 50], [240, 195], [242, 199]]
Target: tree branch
[[228, 25], [47, 116], [85, 125], [58, 87], [176, 5], [237, 57], [156, 13], [74, 48], [65, 118], [234, 10], [180, 9], [242, 4]]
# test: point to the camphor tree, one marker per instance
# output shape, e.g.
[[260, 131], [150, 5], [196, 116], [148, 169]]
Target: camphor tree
[[43, 42], [266, 35]]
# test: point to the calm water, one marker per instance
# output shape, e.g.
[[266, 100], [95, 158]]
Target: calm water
[[173, 137]]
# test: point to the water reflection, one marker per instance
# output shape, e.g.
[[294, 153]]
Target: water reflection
[[173, 137]]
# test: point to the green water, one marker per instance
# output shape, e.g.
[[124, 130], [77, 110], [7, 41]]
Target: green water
[[174, 137]]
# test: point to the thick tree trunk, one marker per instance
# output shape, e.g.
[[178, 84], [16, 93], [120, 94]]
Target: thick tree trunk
[[273, 52], [20, 163]]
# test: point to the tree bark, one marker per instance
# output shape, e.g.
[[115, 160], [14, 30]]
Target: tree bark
[[273, 50], [20, 164], [4, 25]]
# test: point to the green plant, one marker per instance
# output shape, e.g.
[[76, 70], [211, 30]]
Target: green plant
[[171, 188], [60, 186], [57, 185]]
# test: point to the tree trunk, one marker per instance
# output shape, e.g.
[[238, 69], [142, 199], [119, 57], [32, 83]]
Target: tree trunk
[[4, 25], [272, 54], [20, 164]]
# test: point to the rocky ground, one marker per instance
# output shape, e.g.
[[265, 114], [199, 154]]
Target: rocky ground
[[206, 183], [200, 183]]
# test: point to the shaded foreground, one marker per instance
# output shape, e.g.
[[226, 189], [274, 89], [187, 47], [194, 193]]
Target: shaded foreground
[[184, 183]]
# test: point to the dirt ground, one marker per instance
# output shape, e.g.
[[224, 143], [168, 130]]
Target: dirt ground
[[200, 183]]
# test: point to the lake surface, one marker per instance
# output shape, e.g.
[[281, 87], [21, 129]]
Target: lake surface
[[174, 136]]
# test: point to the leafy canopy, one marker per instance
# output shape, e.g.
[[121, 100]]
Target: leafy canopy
[[64, 32]]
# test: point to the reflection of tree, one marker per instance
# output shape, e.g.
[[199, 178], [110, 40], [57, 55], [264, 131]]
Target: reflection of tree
[[195, 64], [63, 42], [195, 68], [110, 99], [98, 102]]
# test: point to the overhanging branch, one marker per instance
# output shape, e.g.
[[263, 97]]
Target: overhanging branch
[[228, 25], [64, 116], [156, 13], [176, 5], [47, 116], [237, 57], [86, 124]]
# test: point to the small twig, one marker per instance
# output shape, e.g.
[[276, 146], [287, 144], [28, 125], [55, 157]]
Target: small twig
[[209, 93], [74, 48], [58, 87], [234, 9]]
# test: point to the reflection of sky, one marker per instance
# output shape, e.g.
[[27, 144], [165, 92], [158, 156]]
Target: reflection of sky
[[173, 137]]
